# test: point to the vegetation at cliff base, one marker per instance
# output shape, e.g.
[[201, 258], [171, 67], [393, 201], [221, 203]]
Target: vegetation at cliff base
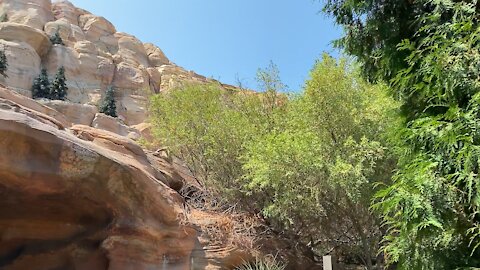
[[307, 162], [376, 160]]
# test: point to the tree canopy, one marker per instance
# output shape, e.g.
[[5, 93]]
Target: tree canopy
[[427, 51]]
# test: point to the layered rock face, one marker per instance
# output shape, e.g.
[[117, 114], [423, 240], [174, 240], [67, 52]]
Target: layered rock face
[[76, 189], [95, 56], [80, 197]]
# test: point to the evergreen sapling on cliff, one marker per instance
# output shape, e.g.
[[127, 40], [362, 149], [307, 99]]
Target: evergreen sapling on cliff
[[59, 87], [56, 39], [108, 106], [3, 63], [41, 85]]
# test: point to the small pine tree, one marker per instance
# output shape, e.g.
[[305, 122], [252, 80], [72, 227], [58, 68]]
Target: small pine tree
[[108, 106], [41, 85], [59, 86], [56, 39], [3, 64], [4, 17]]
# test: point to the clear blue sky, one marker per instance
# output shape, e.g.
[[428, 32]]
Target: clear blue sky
[[224, 39]]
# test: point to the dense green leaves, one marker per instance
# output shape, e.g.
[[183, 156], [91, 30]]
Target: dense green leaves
[[207, 127], [431, 61], [319, 167], [308, 163], [42, 88]]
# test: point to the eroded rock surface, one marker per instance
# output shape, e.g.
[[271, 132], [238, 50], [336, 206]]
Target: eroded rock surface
[[95, 56], [72, 203], [79, 197]]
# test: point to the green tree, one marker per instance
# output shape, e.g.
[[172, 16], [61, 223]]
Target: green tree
[[428, 52], [41, 85], [56, 39], [207, 126], [4, 17], [3, 64], [317, 168], [108, 106], [59, 86]]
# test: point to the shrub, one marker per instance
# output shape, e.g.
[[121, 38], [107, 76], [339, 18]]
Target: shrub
[[59, 87], [315, 171], [207, 127], [41, 85], [56, 39], [3, 64], [108, 106]]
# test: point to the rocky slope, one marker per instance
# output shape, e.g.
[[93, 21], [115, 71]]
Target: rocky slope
[[77, 191], [78, 197], [95, 56]]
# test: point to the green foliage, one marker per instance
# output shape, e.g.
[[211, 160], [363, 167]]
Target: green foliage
[[266, 264], [4, 17], [41, 85], [56, 39], [428, 51], [207, 127], [108, 106], [59, 86], [317, 168], [308, 163], [3, 64]]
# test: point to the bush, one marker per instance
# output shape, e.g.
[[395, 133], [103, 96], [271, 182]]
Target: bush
[[315, 171], [108, 106], [56, 39], [41, 85], [59, 87], [3, 64], [207, 127]]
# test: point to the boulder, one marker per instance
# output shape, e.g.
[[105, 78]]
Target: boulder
[[37, 39], [75, 113], [131, 50], [87, 73], [63, 9], [23, 66], [115, 125], [69, 203], [70, 33], [29, 104], [156, 57], [27, 12]]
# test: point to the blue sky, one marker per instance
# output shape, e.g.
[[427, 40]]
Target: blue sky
[[228, 39]]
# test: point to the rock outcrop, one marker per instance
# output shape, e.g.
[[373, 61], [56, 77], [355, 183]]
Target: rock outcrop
[[83, 198], [77, 196], [77, 190], [95, 56]]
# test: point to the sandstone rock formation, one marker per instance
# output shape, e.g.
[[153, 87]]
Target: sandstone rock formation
[[78, 197], [83, 199], [77, 191], [95, 56]]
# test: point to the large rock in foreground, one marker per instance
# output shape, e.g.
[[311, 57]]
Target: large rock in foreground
[[69, 203]]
